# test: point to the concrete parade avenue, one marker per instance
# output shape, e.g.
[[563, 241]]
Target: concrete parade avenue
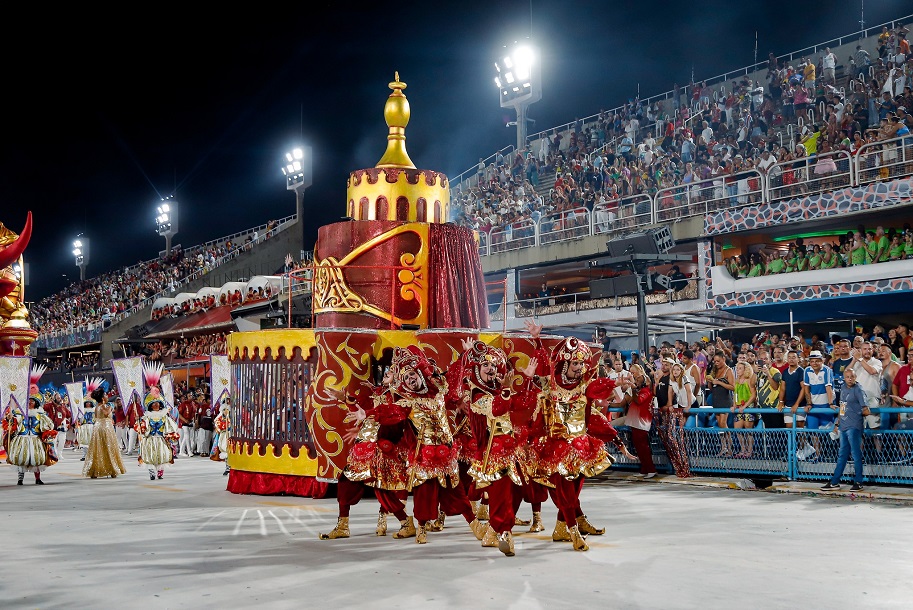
[[185, 542]]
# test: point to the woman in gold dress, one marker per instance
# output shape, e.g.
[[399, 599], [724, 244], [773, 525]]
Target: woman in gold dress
[[103, 455]]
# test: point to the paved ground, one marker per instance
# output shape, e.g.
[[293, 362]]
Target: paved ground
[[184, 542]]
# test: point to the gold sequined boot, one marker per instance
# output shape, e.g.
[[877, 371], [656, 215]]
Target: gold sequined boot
[[519, 521], [381, 523], [475, 506], [406, 529], [420, 536], [340, 531], [438, 524], [586, 527], [506, 543], [536, 525], [482, 513], [478, 528], [577, 539], [490, 538], [560, 534]]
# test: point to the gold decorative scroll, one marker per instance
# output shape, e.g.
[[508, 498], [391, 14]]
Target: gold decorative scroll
[[333, 294]]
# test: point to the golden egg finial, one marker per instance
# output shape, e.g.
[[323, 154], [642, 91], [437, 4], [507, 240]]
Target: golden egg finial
[[396, 114]]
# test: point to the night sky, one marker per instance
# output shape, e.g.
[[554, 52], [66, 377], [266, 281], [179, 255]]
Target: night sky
[[108, 112]]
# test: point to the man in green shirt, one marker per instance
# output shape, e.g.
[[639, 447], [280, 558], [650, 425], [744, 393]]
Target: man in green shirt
[[883, 253], [777, 264], [810, 142]]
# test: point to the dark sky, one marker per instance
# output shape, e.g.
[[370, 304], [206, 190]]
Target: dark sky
[[106, 113]]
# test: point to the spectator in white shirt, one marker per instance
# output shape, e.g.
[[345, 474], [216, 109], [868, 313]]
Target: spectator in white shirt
[[868, 375], [707, 132], [829, 64]]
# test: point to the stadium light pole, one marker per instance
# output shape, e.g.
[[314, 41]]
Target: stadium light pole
[[518, 77], [166, 221], [298, 177], [81, 253]]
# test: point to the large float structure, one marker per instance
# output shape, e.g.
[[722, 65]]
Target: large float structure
[[394, 273]]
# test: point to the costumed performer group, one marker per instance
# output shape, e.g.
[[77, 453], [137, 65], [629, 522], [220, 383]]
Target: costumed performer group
[[526, 436]]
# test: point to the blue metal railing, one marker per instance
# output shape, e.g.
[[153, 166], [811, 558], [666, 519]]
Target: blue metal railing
[[787, 452]]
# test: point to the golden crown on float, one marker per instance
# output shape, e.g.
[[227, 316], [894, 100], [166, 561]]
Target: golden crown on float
[[394, 189]]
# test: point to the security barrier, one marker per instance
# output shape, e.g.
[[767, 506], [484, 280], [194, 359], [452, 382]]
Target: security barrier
[[790, 453]]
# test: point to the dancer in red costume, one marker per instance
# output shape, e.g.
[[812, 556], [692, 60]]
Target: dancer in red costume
[[417, 393], [575, 432], [477, 387], [466, 446], [377, 459], [639, 419]]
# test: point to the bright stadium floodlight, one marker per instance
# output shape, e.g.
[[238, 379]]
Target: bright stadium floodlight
[[519, 82], [81, 254], [298, 177], [166, 220]]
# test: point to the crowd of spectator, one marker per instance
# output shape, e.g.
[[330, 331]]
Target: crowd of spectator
[[98, 301], [194, 305], [705, 142], [72, 361], [187, 348], [784, 376], [859, 247]]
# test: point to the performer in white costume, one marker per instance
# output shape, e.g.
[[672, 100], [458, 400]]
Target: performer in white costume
[[29, 433], [157, 430]]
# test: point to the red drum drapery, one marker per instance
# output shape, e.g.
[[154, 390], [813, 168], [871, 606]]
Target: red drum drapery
[[457, 287]]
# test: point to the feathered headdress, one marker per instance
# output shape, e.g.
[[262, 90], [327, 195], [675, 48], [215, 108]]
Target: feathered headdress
[[91, 385], [152, 371], [34, 375]]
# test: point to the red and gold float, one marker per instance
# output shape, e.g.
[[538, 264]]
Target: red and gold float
[[396, 274]]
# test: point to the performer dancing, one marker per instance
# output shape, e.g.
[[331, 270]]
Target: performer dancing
[[476, 383], [85, 425], [156, 429], [417, 393], [103, 455], [377, 459], [29, 433], [576, 431]]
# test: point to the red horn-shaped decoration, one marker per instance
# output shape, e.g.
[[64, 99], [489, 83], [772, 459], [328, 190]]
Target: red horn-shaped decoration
[[12, 252]]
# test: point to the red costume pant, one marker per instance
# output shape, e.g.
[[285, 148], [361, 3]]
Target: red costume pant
[[534, 494], [503, 499], [641, 441], [430, 496], [468, 484], [566, 496], [348, 493]]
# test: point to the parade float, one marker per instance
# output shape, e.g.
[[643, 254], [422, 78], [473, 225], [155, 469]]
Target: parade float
[[392, 273], [16, 335]]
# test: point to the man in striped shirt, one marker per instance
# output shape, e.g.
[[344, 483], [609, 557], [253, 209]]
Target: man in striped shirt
[[818, 386]]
